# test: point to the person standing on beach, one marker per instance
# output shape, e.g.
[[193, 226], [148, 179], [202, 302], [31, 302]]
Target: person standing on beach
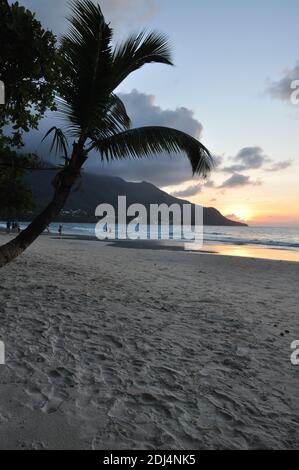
[[60, 230]]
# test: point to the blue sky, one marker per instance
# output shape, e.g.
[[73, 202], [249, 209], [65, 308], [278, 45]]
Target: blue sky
[[226, 55]]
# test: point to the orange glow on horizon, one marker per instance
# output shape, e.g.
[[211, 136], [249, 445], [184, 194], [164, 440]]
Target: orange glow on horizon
[[274, 203], [242, 213]]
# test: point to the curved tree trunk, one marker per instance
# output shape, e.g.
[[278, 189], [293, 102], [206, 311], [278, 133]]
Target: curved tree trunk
[[63, 183]]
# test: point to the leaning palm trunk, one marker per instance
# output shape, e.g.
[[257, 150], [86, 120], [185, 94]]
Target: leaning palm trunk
[[16, 247], [62, 183], [96, 117]]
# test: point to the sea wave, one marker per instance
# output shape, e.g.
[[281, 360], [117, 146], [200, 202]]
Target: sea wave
[[262, 242], [274, 237]]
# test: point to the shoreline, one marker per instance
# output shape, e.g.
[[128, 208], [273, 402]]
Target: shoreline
[[213, 248]]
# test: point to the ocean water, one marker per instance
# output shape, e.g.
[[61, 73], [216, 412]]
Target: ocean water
[[268, 237]]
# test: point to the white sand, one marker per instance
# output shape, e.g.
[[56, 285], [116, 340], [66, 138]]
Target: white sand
[[123, 348]]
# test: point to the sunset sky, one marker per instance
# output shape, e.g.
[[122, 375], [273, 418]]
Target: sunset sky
[[234, 62]]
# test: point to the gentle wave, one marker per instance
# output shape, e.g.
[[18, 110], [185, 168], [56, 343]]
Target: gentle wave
[[238, 241], [279, 237]]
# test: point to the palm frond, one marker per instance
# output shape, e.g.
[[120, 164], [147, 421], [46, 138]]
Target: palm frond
[[91, 71], [86, 59], [114, 120], [138, 50], [153, 140], [117, 110], [59, 142]]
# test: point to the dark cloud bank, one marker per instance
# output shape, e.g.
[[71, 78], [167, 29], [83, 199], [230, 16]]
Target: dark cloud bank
[[250, 158], [162, 170]]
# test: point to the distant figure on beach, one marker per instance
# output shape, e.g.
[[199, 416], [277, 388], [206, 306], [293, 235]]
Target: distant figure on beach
[[8, 226], [14, 227], [60, 230]]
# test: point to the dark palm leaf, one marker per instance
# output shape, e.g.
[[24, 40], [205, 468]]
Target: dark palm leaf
[[114, 120], [91, 73], [86, 66], [59, 142], [137, 51], [148, 141], [117, 110]]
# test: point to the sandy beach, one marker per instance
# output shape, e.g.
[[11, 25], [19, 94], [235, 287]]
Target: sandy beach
[[115, 348]]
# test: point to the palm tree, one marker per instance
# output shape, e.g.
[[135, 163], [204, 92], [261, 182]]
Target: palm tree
[[95, 116]]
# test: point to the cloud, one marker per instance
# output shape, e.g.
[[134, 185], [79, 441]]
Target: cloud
[[189, 191], [280, 165], [235, 218], [237, 180], [218, 160], [281, 89], [122, 14], [193, 189], [248, 158], [143, 110], [130, 15], [162, 170], [209, 184], [233, 168], [253, 158], [129, 10]]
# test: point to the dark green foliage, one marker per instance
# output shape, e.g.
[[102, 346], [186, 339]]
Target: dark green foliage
[[29, 70], [15, 197]]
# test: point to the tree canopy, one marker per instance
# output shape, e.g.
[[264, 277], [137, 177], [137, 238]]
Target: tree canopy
[[15, 197], [29, 70]]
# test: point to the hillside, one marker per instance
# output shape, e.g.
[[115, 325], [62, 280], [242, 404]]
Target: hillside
[[96, 189]]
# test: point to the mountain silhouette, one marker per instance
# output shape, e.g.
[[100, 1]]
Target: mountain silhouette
[[93, 190]]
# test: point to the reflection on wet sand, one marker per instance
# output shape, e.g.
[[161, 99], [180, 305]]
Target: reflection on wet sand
[[247, 251]]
